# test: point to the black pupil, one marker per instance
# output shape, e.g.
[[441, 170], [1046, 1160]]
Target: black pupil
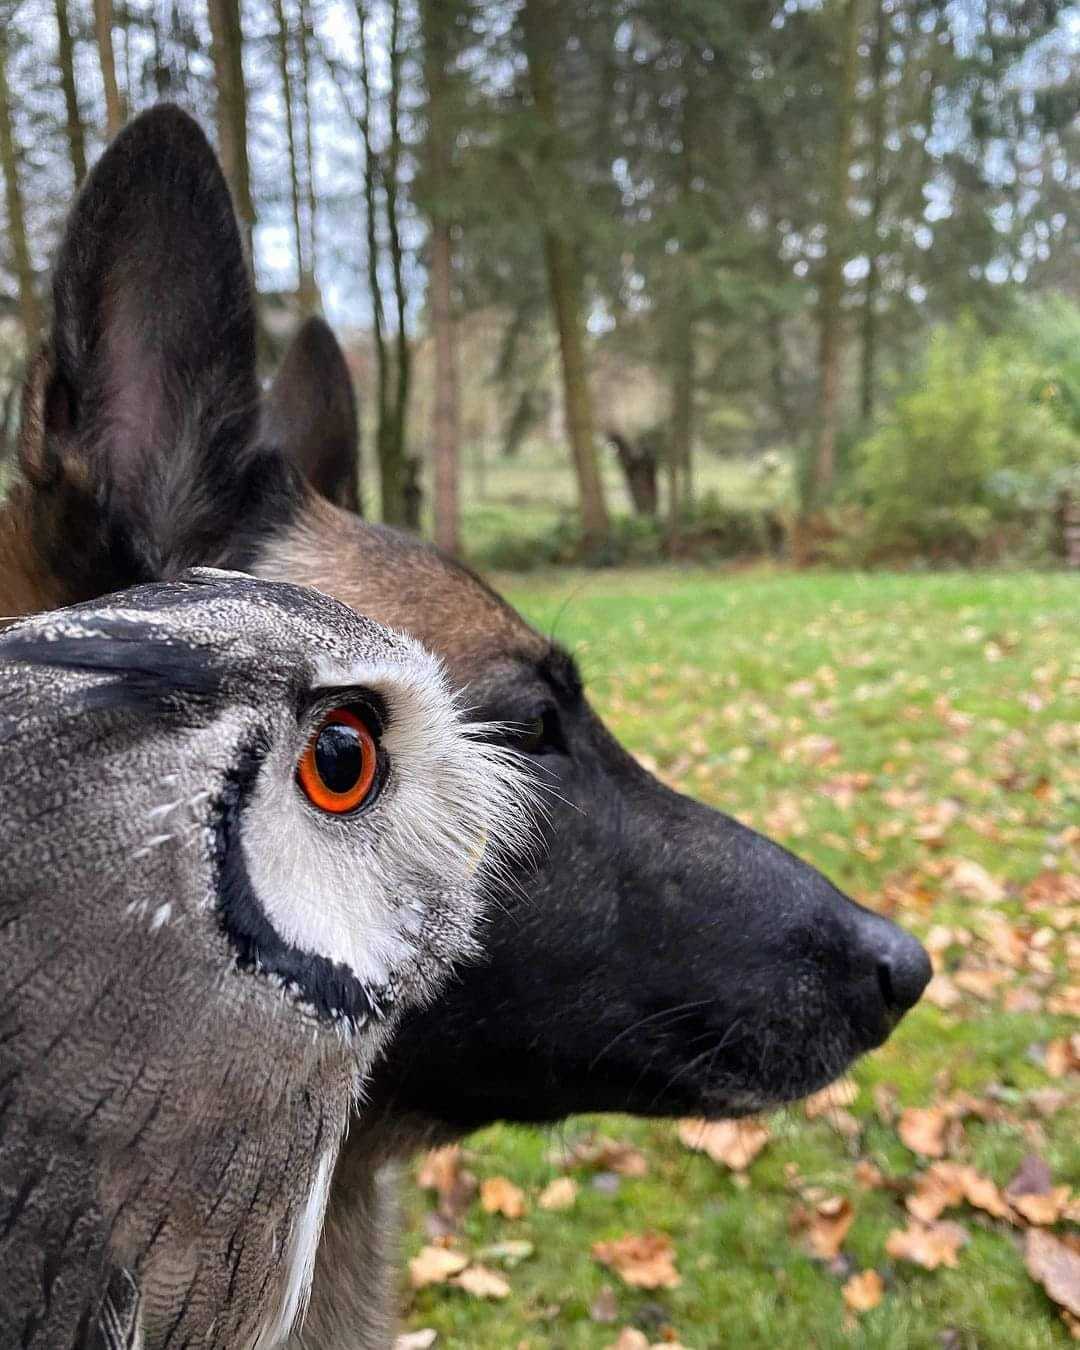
[[339, 757]]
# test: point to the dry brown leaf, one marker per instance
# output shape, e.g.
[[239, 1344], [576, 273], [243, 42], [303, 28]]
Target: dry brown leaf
[[869, 1176], [733, 1143], [498, 1195], [481, 1282], [1066, 1002], [971, 880], [416, 1340], [435, 1265], [606, 1155], [942, 993], [1056, 1266], [643, 1260], [630, 1339], [922, 1129], [1042, 1209], [831, 1098], [1063, 1056], [441, 1171], [864, 1291], [826, 1225], [927, 1244], [558, 1194], [946, 1185], [981, 984]]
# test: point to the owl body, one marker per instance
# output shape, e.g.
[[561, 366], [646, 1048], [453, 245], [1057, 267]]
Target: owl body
[[178, 1054]]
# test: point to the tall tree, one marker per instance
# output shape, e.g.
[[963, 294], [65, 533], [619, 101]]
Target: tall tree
[[304, 279], [76, 138], [831, 282], [402, 350], [103, 33], [541, 23], [389, 433], [875, 130], [29, 307], [304, 37], [227, 52], [437, 19]]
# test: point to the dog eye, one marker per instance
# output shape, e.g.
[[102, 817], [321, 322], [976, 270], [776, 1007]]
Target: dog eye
[[535, 735], [337, 769]]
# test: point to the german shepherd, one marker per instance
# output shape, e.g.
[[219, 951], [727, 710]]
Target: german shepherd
[[662, 959]]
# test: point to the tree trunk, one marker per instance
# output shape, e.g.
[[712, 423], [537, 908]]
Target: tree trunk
[[831, 293], [540, 21], [284, 70], [76, 137], [392, 469], [310, 298], [444, 423], [103, 32], [29, 308], [444, 428], [680, 481], [868, 379], [410, 482], [227, 50]]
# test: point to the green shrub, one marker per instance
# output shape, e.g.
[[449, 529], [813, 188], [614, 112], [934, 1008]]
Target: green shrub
[[966, 462]]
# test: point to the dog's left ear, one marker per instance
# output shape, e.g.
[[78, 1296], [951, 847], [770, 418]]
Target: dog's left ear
[[139, 426], [311, 413]]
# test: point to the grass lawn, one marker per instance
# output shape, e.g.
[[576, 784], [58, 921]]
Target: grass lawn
[[918, 738]]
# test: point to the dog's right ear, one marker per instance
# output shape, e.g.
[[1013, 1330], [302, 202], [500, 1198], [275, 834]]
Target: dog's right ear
[[140, 417], [311, 413]]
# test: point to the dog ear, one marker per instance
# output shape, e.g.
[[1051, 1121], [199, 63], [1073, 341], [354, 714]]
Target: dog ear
[[144, 403], [312, 414]]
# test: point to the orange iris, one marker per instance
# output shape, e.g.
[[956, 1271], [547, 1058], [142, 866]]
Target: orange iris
[[337, 768]]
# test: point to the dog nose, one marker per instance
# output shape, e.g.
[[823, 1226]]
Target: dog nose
[[902, 965]]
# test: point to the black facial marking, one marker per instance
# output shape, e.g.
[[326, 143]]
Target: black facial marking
[[150, 668], [329, 987]]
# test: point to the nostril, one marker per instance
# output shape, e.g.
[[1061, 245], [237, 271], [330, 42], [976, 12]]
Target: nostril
[[884, 977]]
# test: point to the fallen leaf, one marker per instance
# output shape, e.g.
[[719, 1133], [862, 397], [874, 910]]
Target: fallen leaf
[[971, 880], [500, 1196], [630, 1339], [733, 1143], [981, 984], [927, 1244], [836, 1095], [942, 993], [606, 1155], [864, 1291], [435, 1265], [643, 1260], [416, 1340], [1055, 1266], [481, 1282], [441, 1171], [946, 1185], [558, 1194], [869, 1176], [922, 1129], [1042, 1209], [1063, 1056], [825, 1226]]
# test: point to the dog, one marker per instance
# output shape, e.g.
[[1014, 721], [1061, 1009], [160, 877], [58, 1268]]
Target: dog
[[662, 959]]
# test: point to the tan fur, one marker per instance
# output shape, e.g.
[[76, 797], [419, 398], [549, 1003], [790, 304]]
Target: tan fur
[[393, 578]]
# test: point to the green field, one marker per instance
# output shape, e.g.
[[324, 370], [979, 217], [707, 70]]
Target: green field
[[918, 738]]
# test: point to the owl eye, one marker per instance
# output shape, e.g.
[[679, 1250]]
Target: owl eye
[[337, 769]]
